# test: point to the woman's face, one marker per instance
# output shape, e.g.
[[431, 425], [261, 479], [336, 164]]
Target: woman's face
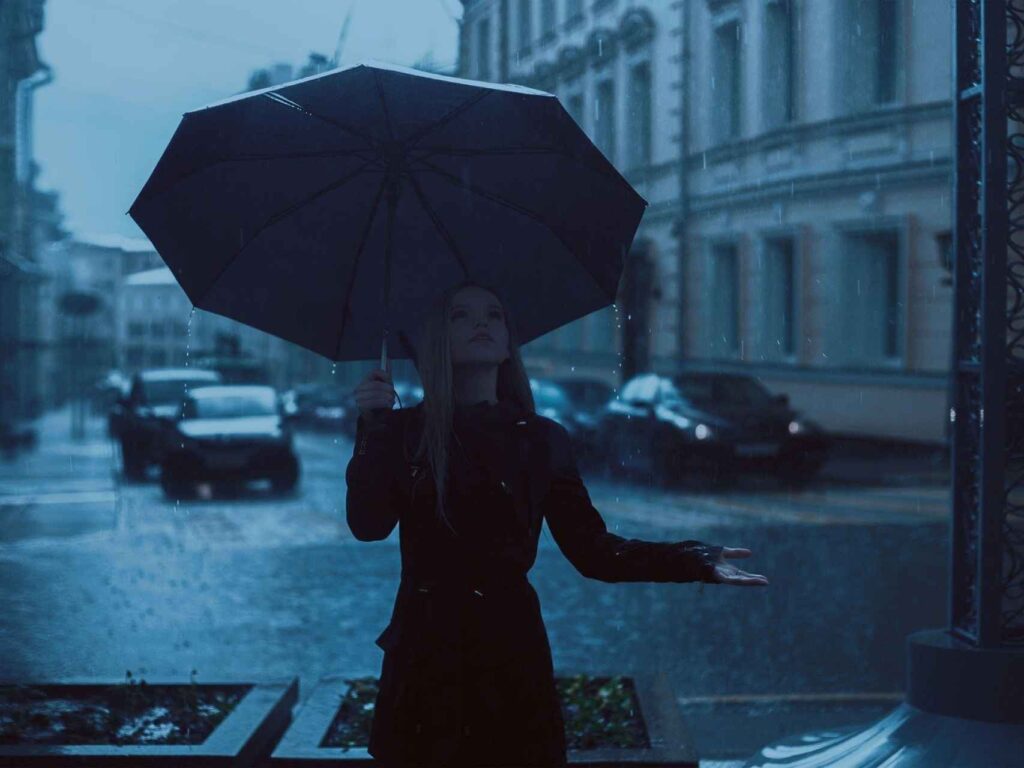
[[475, 311]]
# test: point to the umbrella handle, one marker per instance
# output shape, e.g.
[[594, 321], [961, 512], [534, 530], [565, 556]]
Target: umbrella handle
[[384, 362]]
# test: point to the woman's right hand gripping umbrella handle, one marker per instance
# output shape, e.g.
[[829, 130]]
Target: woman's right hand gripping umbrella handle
[[371, 501]]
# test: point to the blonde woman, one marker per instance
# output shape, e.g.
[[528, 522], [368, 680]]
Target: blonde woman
[[469, 475]]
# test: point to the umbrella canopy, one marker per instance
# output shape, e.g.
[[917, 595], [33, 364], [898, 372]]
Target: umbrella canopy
[[335, 208]]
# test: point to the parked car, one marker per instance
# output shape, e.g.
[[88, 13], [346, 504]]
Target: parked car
[[232, 433], [551, 400], [140, 419], [708, 423]]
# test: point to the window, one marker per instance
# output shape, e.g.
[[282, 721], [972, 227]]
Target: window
[[525, 26], [944, 244], [779, 283], [156, 329], [780, 66], [604, 119], [723, 313], [868, 299], [573, 10], [870, 67], [136, 329], [548, 17], [483, 50], [725, 84], [640, 115], [575, 107]]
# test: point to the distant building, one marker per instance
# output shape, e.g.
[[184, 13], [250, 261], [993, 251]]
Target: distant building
[[21, 72], [156, 328], [96, 266], [797, 166]]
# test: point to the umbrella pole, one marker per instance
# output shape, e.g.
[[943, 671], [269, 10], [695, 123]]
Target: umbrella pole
[[392, 193]]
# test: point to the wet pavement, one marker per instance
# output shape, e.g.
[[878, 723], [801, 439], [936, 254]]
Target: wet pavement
[[101, 577]]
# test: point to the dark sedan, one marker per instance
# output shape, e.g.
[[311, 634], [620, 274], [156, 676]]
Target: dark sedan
[[140, 418], [709, 424], [233, 434]]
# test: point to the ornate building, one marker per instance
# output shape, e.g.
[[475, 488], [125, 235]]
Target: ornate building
[[799, 188], [818, 197], [609, 64]]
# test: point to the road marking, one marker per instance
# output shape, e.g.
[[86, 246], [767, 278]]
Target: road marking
[[839, 697], [74, 497]]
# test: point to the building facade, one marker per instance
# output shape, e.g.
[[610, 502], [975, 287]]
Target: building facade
[[21, 72], [96, 267], [796, 158], [817, 240]]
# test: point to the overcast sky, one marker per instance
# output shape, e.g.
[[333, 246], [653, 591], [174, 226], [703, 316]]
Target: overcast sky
[[126, 70]]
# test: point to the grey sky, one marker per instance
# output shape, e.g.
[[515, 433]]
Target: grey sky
[[126, 70]]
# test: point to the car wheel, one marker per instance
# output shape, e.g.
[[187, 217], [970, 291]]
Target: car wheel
[[132, 464], [799, 469], [285, 478], [177, 482]]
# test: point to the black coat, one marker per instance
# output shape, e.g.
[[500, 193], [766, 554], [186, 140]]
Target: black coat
[[467, 676]]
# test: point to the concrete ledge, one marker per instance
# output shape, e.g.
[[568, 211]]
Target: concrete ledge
[[244, 738]]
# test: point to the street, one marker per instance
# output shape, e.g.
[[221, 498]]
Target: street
[[101, 577]]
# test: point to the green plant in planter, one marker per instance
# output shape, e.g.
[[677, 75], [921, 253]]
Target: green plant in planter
[[600, 712]]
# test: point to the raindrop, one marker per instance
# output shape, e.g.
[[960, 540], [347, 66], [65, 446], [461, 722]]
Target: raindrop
[[600, 46], [704, 160], [334, 368]]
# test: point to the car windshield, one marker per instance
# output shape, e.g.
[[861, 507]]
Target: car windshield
[[728, 390], [548, 396], [231, 406], [170, 391]]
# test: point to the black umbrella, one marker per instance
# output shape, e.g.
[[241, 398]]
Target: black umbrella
[[328, 209]]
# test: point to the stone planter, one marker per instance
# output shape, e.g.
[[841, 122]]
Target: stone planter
[[667, 738], [260, 712]]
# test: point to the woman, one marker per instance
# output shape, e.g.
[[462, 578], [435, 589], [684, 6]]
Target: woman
[[468, 475]]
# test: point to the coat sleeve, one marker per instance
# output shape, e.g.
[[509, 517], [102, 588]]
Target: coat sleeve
[[372, 497], [581, 534]]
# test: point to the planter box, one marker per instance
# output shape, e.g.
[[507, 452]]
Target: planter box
[[668, 738], [243, 738]]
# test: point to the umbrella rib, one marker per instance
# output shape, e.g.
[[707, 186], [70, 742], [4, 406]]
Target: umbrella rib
[[444, 119], [278, 217], [355, 267], [383, 105], [283, 100], [499, 151], [495, 198], [439, 225], [254, 157]]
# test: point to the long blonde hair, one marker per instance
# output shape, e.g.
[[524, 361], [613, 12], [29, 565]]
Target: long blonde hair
[[434, 364]]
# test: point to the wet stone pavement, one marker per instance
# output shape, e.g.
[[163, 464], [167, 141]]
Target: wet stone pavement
[[99, 577]]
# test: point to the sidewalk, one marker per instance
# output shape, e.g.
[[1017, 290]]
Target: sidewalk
[[57, 454], [857, 460]]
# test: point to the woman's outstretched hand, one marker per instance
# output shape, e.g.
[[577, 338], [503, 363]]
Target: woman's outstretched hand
[[726, 573]]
